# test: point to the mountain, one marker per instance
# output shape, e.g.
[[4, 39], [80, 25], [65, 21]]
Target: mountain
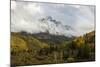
[[56, 39], [46, 48], [24, 41], [87, 38], [52, 26]]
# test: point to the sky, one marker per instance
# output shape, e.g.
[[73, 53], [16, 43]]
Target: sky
[[74, 20]]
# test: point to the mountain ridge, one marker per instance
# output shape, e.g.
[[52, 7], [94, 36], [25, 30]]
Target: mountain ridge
[[37, 49]]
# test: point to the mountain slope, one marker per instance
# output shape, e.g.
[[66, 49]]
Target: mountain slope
[[44, 48], [25, 41]]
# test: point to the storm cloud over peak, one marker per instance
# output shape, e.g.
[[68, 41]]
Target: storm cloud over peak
[[62, 19]]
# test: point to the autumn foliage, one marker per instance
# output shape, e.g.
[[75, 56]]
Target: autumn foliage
[[29, 49]]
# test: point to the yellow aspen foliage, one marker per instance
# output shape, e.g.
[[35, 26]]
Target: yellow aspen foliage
[[79, 41], [18, 44]]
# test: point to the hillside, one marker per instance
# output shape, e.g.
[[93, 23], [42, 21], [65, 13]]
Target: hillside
[[25, 41], [44, 48]]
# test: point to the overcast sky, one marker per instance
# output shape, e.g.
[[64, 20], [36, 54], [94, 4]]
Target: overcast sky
[[25, 16]]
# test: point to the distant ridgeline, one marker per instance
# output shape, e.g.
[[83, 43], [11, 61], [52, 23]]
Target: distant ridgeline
[[44, 48]]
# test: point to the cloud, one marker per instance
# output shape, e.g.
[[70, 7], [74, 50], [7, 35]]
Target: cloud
[[13, 5], [26, 16]]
